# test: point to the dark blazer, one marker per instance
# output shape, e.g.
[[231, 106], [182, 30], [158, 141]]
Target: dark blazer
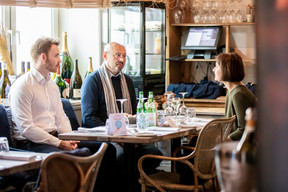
[[93, 105]]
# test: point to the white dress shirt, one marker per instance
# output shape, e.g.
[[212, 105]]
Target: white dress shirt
[[36, 108]]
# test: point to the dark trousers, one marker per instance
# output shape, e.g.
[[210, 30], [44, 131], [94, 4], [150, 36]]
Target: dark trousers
[[149, 165], [17, 180]]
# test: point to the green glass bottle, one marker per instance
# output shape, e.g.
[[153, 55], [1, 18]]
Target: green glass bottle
[[5, 83], [140, 106], [76, 83], [22, 69], [66, 61], [27, 66], [0, 69], [61, 84], [142, 121], [151, 110], [247, 142], [90, 67]]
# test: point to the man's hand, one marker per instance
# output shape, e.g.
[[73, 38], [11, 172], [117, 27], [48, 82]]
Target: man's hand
[[68, 145], [229, 139]]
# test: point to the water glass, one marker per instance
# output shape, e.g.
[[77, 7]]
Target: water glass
[[4, 146], [190, 114], [235, 169], [160, 118]]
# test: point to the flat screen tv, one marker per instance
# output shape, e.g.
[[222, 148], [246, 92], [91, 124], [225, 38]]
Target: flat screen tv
[[201, 38]]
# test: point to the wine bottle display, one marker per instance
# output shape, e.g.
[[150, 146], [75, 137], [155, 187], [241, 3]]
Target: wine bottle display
[[90, 67], [76, 83], [61, 84], [66, 61], [5, 83]]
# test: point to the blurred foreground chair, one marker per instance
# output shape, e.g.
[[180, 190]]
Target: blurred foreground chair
[[64, 172], [200, 161]]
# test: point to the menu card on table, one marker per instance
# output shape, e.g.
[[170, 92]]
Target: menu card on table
[[117, 125]]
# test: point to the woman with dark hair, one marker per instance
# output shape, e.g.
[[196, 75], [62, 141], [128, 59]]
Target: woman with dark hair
[[230, 70]]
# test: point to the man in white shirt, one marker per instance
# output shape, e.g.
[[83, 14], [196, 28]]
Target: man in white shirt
[[36, 104]]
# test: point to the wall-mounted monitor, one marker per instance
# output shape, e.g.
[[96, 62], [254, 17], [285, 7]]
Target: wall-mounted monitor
[[200, 38]]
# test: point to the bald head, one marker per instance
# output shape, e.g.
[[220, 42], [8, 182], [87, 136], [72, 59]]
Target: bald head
[[109, 47], [115, 57]]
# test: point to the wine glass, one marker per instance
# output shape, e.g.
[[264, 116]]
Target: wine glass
[[183, 108], [176, 102], [235, 169], [126, 118], [169, 110]]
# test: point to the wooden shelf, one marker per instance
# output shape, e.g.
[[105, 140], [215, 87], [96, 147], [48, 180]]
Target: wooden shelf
[[182, 70], [208, 60], [211, 24], [214, 60], [213, 103]]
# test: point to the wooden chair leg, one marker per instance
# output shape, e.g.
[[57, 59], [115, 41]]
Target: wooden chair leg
[[217, 186], [143, 188]]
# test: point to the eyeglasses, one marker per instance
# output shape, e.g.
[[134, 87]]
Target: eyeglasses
[[118, 55]]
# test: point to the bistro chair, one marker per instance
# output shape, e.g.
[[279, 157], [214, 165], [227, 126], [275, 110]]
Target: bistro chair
[[65, 172], [69, 111], [200, 161]]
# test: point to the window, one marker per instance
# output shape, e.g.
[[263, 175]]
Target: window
[[30, 24], [24, 25], [1, 14]]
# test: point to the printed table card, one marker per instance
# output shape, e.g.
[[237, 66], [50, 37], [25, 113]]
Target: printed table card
[[117, 125]]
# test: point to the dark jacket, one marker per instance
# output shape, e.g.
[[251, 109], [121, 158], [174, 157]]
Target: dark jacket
[[93, 105]]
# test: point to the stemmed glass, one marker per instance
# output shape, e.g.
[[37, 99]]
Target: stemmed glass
[[169, 110], [183, 108], [126, 118], [176, 102]]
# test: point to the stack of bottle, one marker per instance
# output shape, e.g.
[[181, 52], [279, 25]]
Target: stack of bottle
[[70, 73], [146, 114]]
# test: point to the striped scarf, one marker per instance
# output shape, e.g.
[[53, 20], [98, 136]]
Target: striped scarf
[[109, 92]]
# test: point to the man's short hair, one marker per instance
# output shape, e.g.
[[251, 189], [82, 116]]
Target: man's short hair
[[232, 67], [42, 45]]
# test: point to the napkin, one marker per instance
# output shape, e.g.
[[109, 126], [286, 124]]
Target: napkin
[[94, 129], [18, 157], [168, 129]]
